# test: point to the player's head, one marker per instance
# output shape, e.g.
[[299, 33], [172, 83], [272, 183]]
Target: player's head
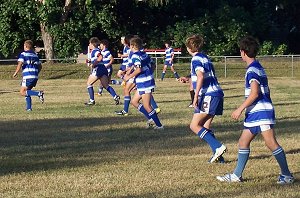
[[94, 41], [250, 46], [167, 43], [28, 45], [136, 43], [123, 39], [127, 39], [104, 42], [194, 43]]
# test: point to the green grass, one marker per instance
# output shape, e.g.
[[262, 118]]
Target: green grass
[[64, 149]]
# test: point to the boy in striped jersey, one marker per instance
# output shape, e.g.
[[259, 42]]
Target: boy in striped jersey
[[107, 60], [130, 84], [125, 63], [142, 74], [98, 71], [259, 115], [169, 61], [31, 66], [208, 99]]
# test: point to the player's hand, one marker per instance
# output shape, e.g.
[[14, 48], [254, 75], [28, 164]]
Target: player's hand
[[126, 77], [195, 103], [119, 55], [236, 114], [183, 79], [15, 75]]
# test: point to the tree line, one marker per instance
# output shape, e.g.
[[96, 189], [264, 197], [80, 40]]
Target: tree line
[[64, 27]]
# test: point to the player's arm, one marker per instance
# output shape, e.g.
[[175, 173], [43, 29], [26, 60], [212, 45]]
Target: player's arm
[[172, 57], [40, 67], [18, 69], [133, 74], [255, 90], [125, 55], [138, 69], [111, 60], [99, 59], [200, 79]]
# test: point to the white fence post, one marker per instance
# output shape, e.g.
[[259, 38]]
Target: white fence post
[[225, 67], [292, 65]]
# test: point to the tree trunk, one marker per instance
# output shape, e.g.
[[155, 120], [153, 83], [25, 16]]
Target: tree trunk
[[66, 10], [46, 36], [48, 43]]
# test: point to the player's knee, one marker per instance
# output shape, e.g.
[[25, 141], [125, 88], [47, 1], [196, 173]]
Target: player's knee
[[193, 127], [242, 144], [272, 145], [134, 103], [23, 92]]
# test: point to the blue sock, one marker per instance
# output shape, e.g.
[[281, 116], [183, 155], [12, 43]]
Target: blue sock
[[111, 91], [243, 157], [28, 102], [32, 93], [153, 103], [100, 90], [176, 75], [143, 111], [205, 134], [91, 92], [279, 154], [155, 118], [126, 103], [162, 75]]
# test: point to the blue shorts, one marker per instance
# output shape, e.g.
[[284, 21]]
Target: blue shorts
[[258, 129], [29, 83], [99, 71], [211, 105], [168, 63]]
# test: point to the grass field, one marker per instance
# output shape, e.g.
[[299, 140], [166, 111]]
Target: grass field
[[64, 149]]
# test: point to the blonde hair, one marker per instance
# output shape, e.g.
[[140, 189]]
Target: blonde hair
[[28, 44], [194, 43]]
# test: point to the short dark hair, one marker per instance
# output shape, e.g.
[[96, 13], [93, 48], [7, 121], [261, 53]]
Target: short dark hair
[[127, 38], [104, 42], [250, 46], [94, 41], [136, 42], [168, 42]]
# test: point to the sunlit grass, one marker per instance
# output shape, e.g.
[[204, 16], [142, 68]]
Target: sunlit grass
[[64, 149]]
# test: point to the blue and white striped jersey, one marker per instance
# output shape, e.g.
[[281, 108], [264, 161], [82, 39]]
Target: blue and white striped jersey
[[31, 64], [210, 87], [261, 112], [126, 50], [169, 51], [94, 55], [144, 80], [106, 57]]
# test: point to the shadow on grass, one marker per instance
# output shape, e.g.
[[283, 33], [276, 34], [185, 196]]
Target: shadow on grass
[[38, 145], [62, 75], [5, 92]]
